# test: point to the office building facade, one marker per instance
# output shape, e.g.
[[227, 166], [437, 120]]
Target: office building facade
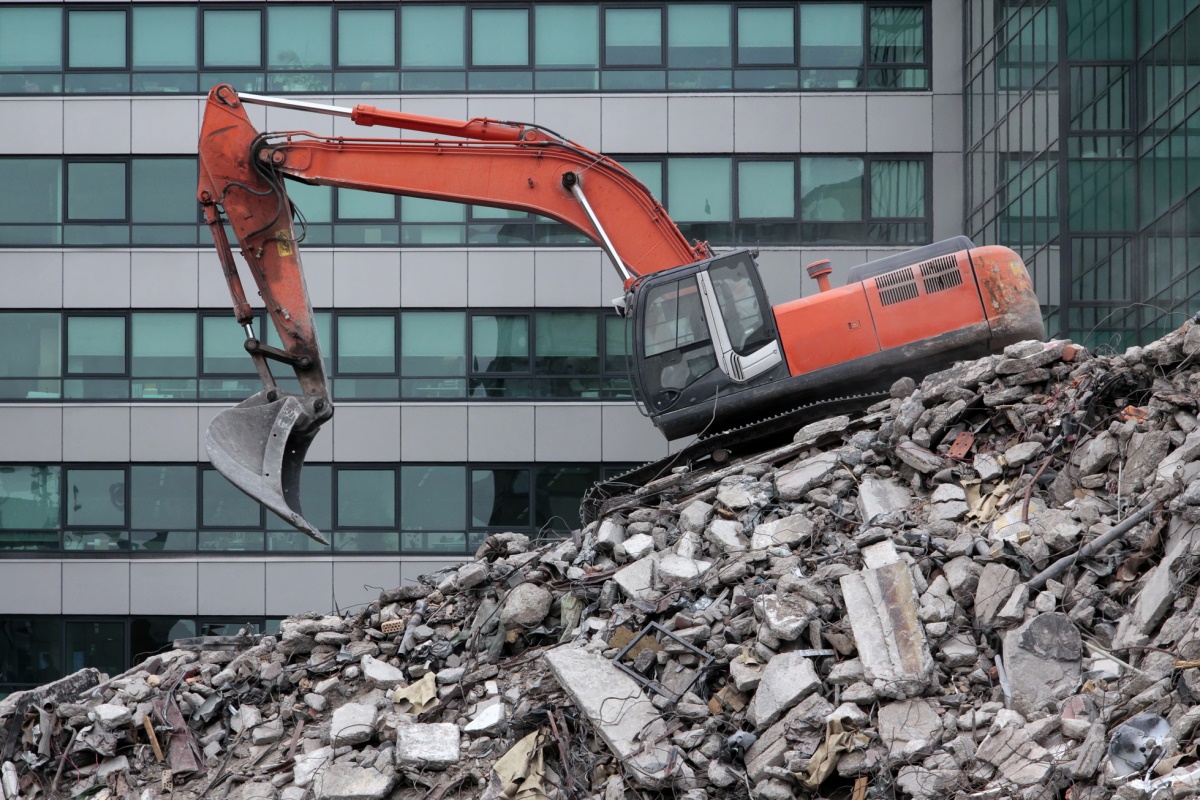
[[474, 356]]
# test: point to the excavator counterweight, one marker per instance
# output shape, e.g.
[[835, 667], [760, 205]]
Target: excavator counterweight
[[710, 353]]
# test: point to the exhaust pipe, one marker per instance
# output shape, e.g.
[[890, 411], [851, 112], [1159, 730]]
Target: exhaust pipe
[[259, 446]]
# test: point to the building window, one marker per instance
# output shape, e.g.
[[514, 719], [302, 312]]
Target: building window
[[567, 47], [433, 351], [232, 38], [845, 200], [30, 363], [96, 365]]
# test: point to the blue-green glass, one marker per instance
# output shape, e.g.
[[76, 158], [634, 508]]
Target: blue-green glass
[[501, 37], [433, 498], [162, 498], [1101, 30], [298, 37], [95, 497], [767, 189], [164, 38], [30, 39], [433, 343], [316, 493], [95, 345], [366, 344], [359, 204], [432, 36], [700, 189], [96, 39], [698, 36], [33, 345], [897, 35], [418, 209], [897, 189], [632, 36], [232, 38], [224, 349], [831, 189], [649, 173], [567, 36], [223, 505], [366, 498], [164, 344], [314, 202], [40, 198], [831, 35], [1100, 195], [366, 37], [766, 36], [160, 190], [95, 191], [29, 498]]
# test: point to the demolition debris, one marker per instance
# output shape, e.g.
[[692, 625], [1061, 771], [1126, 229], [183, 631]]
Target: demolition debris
[[981, 588]]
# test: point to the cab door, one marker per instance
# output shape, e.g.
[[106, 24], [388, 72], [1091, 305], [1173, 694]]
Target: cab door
[[739, 316]]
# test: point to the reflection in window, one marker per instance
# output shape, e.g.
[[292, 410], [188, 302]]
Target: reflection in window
[[433, 346], [298, 37], [162, 498], [224, 505], [633, 36], [567, 354], [96, 497], [500, 498], [29, 498], [95, 644], [29, 362], [366, 498], [766, 36], [31, 651], [700, 190], [164, 38], [96, 39], [31, 39], [95, 345], [898, 189], [366, 37], [831, 44], [232, 38], [831, 189], [698, 36], [499, 350], [557, 495], [897, 35]]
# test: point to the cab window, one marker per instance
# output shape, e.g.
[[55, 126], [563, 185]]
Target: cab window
[[677, 347], [742, 304]]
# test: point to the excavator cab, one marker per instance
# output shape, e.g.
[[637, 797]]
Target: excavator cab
[[703, 330]]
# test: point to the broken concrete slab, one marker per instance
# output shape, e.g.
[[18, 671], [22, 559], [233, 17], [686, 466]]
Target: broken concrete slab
[[434, 745], [881, 605], [787, 679], [879, 496], [353, 723], [353, 782], [786, 532], [910, 729], [1042, 659]]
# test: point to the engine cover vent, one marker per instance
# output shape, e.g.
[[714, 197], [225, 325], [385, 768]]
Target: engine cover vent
[[941, 274], [896, 287]]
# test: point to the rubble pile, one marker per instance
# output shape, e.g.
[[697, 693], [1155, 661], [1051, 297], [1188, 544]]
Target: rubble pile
[[982, 587]]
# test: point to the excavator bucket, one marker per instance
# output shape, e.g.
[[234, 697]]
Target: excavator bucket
[[259, 445]]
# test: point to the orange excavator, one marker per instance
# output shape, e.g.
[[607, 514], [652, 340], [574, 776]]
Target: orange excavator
[[709, 353]]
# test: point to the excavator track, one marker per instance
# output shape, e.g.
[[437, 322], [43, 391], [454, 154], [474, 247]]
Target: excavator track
[[715, 449]]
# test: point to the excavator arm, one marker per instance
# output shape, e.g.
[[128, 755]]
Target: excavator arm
[[260, 444]]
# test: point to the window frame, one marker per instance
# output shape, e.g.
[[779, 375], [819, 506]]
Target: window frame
[[662, 36], [125, 10], [335, 33], [736, 33]]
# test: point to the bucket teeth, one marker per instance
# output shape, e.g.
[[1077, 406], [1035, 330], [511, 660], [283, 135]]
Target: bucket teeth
[[259, 446]]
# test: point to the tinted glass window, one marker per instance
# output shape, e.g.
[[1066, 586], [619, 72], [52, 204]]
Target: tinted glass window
[[95, 644], [164, 344], [740, 305], [500, 498], [432, 36], [156, 196], [162, 498], [898, 35], [96, 39], [566, 344], [766, 189], [95, 191], [831, 35], [29, 498], [96, 497], [40, 198], [558, 492], [499, 343], [224, 506], [700, 189], [698, 36], [649, 173], [95, 345], [433, 498], [298, 38], [33, 650], [357, 204], [501, 37], [898, 189], [224, 346], [766, 36], [30, 38], [164, 38], [232, 38], [433, 343], [32, 345], [633, 36], [568, 36], [831, 189], [366, 37], [366, 344], [366, 498], [316, 492]]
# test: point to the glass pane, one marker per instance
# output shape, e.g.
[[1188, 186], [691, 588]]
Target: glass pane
[[831, 35], [95, 191], [616, 344], [30, 39], [500, 37], [232, 38], [831, 189], [316, 495], [100, 645], [558, 492], [433, 498], [298, 38], [32, 654], [96, 345], [366, 344], [224, 506], [31, 345], [432, 36], [897, 35], [315, 203], [699, 189], [97, 39], [500, 498], [499, 343], [898, 189], [433, 343], [155, 193], [698, 36], [767, 189], [164, 38], [649, 173], [151, 635], [162, 498], [40, 198], [224, 346], [366, 498], [567, 36], [96, 497], [632, 36], [366, 37], [418, 209], [766, 36], [29, 499], [357, 204], [566, 344], [164, 345]]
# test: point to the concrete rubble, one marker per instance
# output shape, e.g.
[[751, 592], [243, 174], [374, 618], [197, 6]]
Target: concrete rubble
[[981, 587]]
